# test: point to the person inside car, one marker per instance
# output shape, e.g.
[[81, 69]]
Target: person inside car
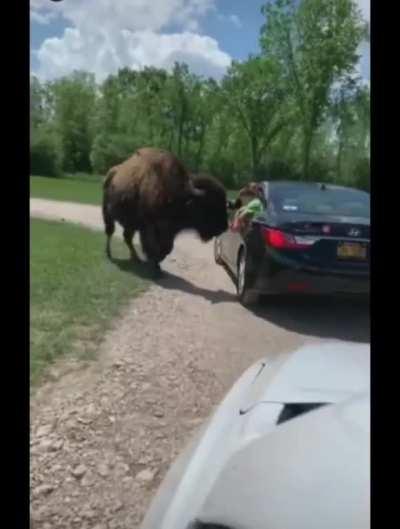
[[249, 204]]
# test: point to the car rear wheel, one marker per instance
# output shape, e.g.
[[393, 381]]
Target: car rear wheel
[[246, 296], [217, 251]]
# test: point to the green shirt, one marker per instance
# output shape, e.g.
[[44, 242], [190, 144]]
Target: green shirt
[[254, 207]]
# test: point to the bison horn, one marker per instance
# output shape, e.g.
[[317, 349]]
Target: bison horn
[[195, 191]]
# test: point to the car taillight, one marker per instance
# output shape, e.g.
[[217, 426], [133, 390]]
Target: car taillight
[[281, 240]]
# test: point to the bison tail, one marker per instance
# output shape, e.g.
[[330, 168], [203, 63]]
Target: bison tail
[[108, 178], [109, 222]]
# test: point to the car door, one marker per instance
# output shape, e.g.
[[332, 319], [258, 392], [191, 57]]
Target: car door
[[236, 240], [249, 238], [230, 242]]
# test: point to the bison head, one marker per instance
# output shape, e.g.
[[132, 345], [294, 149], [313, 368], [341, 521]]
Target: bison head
[[206, 212]]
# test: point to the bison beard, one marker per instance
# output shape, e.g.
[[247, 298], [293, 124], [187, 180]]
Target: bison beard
[[152, 193], [205, 214]]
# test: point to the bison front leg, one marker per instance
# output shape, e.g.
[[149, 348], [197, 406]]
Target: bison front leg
[[128, 238], [153, 245], [150, 248]]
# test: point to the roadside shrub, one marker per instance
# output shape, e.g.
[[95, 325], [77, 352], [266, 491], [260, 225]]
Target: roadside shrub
[[45, 159], [279, 170], [362, 174], [111, 149]]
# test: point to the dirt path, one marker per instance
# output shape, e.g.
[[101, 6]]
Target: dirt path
[[103, 436]]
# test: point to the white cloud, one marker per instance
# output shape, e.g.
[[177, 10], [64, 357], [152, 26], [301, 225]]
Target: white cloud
[[106, 35], [74, 51], [365, 7], [364, 65], [235, 20], [42, 18], [129, 14]]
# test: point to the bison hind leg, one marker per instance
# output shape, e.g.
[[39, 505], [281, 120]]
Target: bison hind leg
[[109, 229], [108, 248]]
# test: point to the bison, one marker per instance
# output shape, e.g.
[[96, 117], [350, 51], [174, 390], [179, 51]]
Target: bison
[[153, 193]]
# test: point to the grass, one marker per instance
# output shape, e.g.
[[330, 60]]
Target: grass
[[85, 189], [80, 188], [75, 292]]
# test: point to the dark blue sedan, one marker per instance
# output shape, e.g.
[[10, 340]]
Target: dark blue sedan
[[312, 238]]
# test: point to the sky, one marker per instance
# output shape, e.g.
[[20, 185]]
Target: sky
[[102, 36]]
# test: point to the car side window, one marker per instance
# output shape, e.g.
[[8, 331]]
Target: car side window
[[265, 202], [264, 199]]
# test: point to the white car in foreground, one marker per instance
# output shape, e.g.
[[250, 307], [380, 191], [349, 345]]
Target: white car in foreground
[[288, 448]]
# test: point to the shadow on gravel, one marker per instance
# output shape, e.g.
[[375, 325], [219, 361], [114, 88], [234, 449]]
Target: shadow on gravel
[[323, 317], [171, 281], [139, 269]]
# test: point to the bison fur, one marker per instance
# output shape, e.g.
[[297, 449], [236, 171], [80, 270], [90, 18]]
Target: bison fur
[[153, 193]]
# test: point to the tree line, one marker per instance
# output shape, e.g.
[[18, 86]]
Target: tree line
[[296, 110]]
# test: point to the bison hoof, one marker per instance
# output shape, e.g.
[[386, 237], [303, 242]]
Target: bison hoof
[[156, 270]]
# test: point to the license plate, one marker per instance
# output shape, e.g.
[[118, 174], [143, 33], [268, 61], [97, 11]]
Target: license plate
[[351, 250]]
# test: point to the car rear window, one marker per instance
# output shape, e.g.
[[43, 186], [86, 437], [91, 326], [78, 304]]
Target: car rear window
[[321, 202]]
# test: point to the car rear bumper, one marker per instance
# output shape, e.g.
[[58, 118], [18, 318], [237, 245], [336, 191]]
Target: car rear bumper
[[299, 280]]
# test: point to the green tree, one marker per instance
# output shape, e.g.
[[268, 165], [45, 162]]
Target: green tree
[[37, 116], [74, 104], [45, 154], [315, 42], [258, 101], [351, 118]]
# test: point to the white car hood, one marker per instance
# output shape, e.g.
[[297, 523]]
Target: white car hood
[[244, 469], [328, 372], [311, 473]]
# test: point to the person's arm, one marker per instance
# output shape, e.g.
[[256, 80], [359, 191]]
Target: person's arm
[[243, 213], [232, 204], [255, 207]]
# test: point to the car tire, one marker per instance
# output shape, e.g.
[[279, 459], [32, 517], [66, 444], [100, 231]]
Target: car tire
[[246, 296], [217, 252]]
